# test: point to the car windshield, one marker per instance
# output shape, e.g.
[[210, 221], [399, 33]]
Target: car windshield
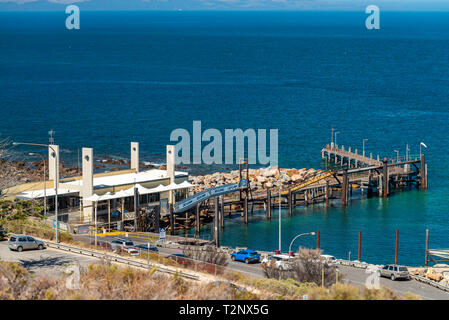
[[403, 269], [129, 243]]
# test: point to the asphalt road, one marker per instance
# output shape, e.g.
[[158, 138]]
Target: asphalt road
[[351, 275], [48, 261], [358, 276]]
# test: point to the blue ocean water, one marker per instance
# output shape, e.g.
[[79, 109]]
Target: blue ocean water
[[136, 76]]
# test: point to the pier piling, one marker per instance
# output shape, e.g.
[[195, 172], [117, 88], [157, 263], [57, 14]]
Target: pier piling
[[423, 172], [197, 220], [217, 223], [344, 188], [222, 212], [269, 204], [290, 206], [385, 179], [360, 246], [245, 210], [397, 244], [427, 248]]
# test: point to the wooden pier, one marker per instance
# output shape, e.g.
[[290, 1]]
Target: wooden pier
[[346, 171]]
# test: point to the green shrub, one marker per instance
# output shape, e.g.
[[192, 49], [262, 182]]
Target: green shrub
[[37, 228]]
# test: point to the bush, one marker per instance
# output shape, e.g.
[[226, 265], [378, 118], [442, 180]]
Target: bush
[[209, 254], [307, 267], [20, 209], [109, 282], [35, 228]]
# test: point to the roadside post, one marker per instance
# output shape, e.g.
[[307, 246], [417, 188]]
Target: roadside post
[[322, 275], [427, 248], [360, 246], [148, 253], [396, 251]]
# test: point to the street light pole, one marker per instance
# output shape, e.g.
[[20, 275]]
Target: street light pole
[[397, 155], [280, 247], [336, 133], [421, 144], [56, 175], [45, 186], [299, 235], [364, 140]]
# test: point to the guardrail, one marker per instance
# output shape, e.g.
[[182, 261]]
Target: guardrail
[[429, 282], [130, 262], [364, 265]]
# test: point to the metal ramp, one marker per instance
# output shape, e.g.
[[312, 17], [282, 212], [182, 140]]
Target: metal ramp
[[199, 197]]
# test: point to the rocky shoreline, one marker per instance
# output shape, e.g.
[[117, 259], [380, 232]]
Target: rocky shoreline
[[438, 273], [260, 179]]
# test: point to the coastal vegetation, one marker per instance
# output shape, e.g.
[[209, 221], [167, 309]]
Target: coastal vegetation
[[110, 282], [306, 267], [209, 254]]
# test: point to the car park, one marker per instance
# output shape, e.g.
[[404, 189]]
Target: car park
[[23, 242], [394, 271], [247, 256]]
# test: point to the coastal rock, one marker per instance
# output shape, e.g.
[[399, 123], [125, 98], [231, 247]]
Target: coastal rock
[[269, 172], [435, 276]]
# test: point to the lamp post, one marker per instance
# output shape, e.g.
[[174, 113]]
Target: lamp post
[[45, 180], [56, 175], [299, 235], [336, 133], [280, 247], [397, 155], [421, 144], [364, 140]]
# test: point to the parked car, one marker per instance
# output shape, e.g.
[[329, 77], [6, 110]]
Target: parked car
[[283, 261], [123, 244], [330, 260], [132, 251], [246, 256], [21, 242], [143, 247], [394, 271]]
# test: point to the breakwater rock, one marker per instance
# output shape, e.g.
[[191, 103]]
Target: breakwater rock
[[260, 179]]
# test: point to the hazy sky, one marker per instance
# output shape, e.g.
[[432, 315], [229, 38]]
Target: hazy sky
[[399, 5]]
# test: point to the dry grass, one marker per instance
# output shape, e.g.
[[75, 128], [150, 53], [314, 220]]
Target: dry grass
[[109, 282]]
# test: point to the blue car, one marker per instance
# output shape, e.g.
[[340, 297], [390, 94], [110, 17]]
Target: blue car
[[246, 255]]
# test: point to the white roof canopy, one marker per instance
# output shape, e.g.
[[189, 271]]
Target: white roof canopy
[[36, 194], [141, 190]]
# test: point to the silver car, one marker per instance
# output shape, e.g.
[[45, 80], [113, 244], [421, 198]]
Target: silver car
[[22, 242], [394, 271], [123, 244]]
